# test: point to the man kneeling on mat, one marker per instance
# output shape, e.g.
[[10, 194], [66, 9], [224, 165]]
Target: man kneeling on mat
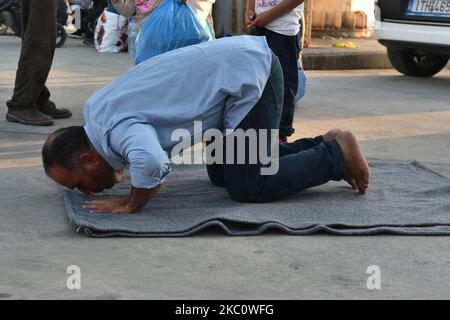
[[228, 84]]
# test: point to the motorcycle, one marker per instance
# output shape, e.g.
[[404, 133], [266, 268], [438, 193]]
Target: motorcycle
[[10, 12], [68, 19]]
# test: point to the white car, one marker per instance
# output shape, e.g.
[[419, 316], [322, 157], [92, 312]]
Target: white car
[[416, 34]]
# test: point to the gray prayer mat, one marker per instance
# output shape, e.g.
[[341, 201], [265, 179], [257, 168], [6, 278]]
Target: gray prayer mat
[[403, 199]]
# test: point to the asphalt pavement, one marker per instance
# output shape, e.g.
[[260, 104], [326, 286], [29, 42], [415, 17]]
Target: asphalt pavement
[[395, 117]]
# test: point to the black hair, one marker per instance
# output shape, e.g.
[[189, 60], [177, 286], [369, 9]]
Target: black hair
[[64, 146]]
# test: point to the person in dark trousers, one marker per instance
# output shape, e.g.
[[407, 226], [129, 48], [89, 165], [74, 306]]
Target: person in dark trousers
[[30, 103], [89, 18], [279, 21]]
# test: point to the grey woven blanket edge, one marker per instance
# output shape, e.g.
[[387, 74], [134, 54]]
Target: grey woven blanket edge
[[420, 229]]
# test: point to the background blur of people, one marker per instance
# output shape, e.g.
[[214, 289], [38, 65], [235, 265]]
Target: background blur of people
[[89, 18], [30, 103], [142, 8]]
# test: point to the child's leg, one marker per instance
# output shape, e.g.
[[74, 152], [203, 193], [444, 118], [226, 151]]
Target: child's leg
[[287, 49], [301, 39]]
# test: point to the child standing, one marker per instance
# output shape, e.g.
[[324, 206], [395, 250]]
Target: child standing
[[280, 21]]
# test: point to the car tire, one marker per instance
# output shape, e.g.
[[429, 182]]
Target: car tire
[[412, 63]]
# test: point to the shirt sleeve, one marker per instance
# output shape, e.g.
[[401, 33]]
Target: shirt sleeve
[[138, 144]]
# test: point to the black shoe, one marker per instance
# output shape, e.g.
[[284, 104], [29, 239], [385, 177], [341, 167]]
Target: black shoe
[[28, 116], [50, 110]]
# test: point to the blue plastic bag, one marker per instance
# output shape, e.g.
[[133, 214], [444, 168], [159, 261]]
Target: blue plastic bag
[[301, 89], [132, 37], [171, 26]]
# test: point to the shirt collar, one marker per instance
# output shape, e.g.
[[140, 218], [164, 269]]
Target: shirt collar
[[112, 161]]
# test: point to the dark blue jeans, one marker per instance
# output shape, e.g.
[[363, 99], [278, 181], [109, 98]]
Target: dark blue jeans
[[303, 164]]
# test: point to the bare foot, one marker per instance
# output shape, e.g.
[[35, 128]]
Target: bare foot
[[330, 135], [356, 162], [351, 182]]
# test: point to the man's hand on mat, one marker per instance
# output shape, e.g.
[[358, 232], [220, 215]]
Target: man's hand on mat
[[138, 198], [114, 205]]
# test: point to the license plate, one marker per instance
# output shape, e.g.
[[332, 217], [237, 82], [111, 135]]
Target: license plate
[[429, 8]]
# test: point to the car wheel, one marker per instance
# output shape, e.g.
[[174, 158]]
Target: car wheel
[[415, 64]]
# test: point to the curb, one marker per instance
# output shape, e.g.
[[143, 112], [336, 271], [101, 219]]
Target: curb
[[345, 61]]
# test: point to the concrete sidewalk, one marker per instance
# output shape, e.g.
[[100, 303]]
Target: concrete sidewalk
[[368, 54], [395, 117]]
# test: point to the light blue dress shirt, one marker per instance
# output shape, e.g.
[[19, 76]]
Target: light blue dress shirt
[[131, 120]]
